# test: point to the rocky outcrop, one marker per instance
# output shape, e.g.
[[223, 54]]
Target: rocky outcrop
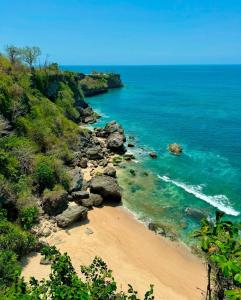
[[54, 202], [116, 143], [76, 179], [94, 153], [71, 214], [106, 186], [175, 149]]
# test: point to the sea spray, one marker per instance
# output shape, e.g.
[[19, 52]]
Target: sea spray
[[219, 201]]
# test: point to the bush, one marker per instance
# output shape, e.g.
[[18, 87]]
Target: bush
[[9, 165], [28, 217], [9, 268], [45, 174], [14, 238], [96, 282]]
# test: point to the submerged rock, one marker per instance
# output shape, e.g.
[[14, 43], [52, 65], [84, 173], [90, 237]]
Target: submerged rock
[[106, 186], [71, 214], [153, 154], [196, 213], [175, 149]]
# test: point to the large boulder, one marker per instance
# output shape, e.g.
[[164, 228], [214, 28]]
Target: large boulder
[[55, 202], [112, 127], [175, 149], [106, 186], [115, 142], [94, 153], [76, 179], [71, 214], [96, 199]]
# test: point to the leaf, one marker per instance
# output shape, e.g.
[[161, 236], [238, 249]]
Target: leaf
[[237, 278]]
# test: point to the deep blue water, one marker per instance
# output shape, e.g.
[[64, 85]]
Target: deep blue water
[[196, 106]]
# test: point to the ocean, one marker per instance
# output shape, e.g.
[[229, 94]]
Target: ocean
[[196, 106]]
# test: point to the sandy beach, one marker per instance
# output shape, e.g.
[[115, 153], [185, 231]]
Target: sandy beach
[[135, 254]]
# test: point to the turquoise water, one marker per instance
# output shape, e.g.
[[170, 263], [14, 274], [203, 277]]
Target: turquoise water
[[196, 106]]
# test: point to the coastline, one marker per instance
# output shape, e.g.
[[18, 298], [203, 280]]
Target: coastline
[[135, 254]]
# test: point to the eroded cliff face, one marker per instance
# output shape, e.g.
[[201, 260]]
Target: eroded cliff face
[[98, 83]]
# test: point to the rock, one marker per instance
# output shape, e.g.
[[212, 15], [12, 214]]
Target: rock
[[106, 186], [112, 127], [153, 154], [71, 214], [88, 231], [103, 163], [55, 202], [90, 119], [87, 202], [196, 213], [40, 244], [96, 199], [130, 145], [94, 153], [110, 171], [145, 173], [44, 261], [133, 172], [175, 149], [100, 132], [76, 179], [162, 230], [129, 156], [78, 196], [83, 163], [115, 142]]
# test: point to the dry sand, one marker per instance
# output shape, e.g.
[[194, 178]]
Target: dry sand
[[135, 254]]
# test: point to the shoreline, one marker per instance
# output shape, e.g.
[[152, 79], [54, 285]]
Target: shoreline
[[135, 254]]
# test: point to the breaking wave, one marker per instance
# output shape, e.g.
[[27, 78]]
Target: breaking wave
[[219, 201]]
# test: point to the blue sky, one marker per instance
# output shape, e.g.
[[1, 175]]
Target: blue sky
[[126, 32]]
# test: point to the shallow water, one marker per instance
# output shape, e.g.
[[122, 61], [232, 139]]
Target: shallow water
[[196, 106]]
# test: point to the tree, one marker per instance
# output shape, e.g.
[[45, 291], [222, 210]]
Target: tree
[[221, 241], [13, 53], [30, 55]]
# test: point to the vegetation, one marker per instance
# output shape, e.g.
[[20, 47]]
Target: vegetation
[[221, 243], [39, 133]]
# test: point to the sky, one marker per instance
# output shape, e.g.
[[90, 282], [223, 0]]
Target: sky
[[121, 32]]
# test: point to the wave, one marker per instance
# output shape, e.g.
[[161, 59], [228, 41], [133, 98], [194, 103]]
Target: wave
[[219, 201]]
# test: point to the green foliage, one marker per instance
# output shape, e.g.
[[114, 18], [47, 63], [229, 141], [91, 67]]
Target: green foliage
[[221, 243], [45, 174], [28, 217], [14, 238], [9, 165], [9, 268], [96, 282]]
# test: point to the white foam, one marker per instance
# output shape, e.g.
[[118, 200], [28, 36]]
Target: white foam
[[219, 201]]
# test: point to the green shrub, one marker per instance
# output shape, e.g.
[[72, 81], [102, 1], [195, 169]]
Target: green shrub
[[9, 165], [14, 238], [9, 268], [28, 217], [45, 174]]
